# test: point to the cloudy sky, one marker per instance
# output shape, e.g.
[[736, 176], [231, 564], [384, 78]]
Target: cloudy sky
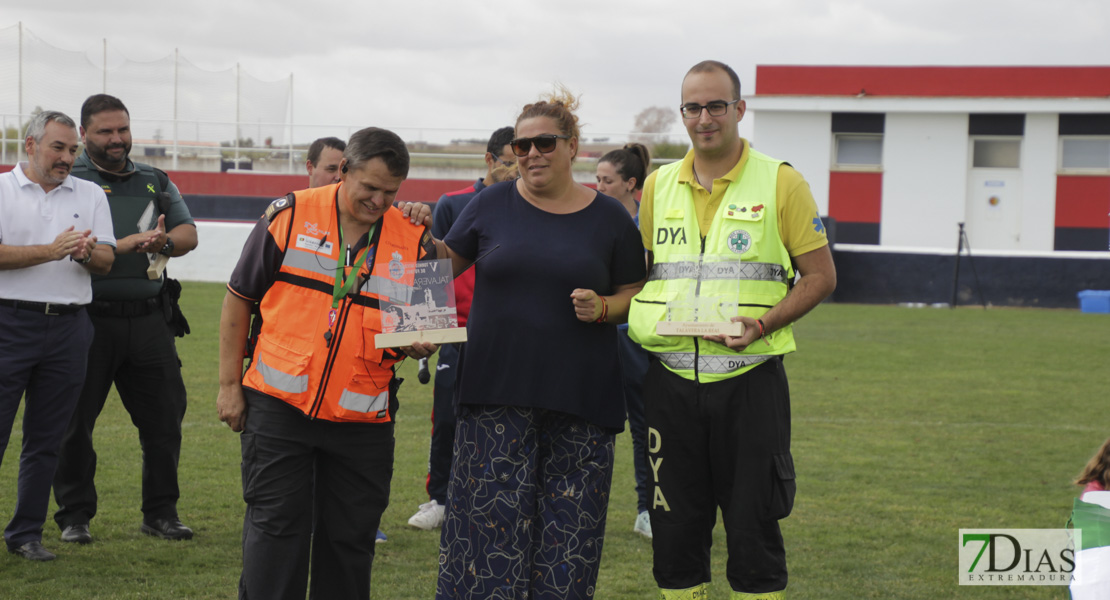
[[463, 64]]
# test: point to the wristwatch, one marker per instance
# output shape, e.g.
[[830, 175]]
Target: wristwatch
[[168, 248], [88, 257]]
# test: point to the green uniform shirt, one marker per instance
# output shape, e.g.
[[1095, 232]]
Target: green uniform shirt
[[130, 194]]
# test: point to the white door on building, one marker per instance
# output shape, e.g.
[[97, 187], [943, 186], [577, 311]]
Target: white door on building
[[994, 194]]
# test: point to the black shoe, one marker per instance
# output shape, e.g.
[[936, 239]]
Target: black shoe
[[167, 529], [77, 534], [33, 551], [423, 376]]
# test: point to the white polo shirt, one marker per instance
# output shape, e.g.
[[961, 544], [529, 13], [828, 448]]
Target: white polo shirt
[[29, 216]]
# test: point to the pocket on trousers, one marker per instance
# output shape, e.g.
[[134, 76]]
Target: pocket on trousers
[[246, 466], [783, 486]]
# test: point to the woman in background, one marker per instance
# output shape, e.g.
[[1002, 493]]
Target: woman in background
[[621, 174]]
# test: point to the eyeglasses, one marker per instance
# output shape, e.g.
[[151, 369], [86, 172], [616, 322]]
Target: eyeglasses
[[544, 143], [501, 162], [715, 108]]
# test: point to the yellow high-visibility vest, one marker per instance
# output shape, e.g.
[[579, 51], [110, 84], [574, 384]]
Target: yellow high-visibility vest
[[742, 262]]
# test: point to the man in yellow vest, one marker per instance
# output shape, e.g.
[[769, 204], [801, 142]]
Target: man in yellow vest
[[734, 231]]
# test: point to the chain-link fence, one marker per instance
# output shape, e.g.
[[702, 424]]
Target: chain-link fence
[[184, 111], [192, 119]]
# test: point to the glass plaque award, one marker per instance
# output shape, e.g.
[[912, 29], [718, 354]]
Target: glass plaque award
[[708, 308], [147, 222], [417, 304]]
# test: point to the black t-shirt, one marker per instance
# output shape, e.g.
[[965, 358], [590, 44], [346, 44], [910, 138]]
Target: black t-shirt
[[525, 346]]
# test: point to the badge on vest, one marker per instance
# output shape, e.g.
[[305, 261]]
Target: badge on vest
[[277, 206], [312, 244], [739, 241], [396, 267], [744, 212]]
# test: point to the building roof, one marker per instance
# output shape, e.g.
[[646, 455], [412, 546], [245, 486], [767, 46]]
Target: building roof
[[934, 81]]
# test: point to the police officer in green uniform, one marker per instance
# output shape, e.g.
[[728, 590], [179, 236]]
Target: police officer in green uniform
[[133, 345]]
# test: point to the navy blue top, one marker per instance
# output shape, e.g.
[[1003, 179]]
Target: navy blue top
[[525, 346], [449, 207]]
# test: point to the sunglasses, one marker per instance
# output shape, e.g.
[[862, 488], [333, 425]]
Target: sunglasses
[[544, 143]]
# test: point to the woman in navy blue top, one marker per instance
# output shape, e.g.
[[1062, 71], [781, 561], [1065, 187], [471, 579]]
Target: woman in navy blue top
[[539, 391]]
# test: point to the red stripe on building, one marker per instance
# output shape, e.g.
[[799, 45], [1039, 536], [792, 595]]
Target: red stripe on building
[[856, 197], [1083, 201], [979, 82]]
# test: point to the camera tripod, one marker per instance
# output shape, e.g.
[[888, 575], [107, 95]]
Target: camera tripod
[[960, 245]]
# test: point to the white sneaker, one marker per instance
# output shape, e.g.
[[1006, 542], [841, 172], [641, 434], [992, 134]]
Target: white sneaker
[[430, 516], [643, 525]]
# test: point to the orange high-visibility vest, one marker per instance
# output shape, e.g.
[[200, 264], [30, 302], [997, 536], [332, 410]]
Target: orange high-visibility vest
[[347, 378]]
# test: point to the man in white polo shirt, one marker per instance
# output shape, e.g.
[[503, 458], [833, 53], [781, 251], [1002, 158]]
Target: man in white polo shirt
[[54, 231]]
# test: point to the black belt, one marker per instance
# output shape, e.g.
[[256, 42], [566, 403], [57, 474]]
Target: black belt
[[46, 308], [125, 308]]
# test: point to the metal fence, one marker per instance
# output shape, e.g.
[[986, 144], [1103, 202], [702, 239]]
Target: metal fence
[[190, 118]]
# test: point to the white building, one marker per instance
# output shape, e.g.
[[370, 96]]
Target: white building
[[898, 156]]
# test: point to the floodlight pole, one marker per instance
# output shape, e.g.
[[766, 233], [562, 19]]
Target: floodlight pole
[[175, 149], [19, 118]]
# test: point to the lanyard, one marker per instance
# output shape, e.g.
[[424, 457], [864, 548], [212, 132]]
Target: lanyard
[[341, 287]]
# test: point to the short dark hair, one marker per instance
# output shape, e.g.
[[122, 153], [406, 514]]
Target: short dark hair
[[98, 103], [325, 142], [375, 142], [499, 140], [708, 66]]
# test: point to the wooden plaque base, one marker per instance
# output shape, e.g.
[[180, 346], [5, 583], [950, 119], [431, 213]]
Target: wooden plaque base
[[154, 271], [408, 338], [690, 328]]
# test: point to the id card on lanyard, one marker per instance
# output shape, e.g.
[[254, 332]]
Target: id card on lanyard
[[345, 281]]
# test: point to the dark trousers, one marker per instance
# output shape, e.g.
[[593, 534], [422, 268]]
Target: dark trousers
[[634, 366], [724, 444], [311, 486], [42, 358], [443, 423], [139, 356]]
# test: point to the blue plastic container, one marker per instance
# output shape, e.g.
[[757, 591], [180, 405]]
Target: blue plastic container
[[1094, 301]]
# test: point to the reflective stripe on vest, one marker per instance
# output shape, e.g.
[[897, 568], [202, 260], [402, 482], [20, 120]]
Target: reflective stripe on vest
[[275, 378], [713, 364], [363, 403], [718, 270], [391, 290], [741, 265], [307, 260]]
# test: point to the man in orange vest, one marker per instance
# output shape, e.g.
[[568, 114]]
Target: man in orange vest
[[317, 404]]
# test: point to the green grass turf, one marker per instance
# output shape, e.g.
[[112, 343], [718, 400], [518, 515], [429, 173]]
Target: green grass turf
[[908, 424]]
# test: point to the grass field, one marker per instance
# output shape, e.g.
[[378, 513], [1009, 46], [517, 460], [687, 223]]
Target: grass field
[[908, 425]]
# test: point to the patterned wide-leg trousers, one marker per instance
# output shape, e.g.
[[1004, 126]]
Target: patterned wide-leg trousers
[[526, 506]]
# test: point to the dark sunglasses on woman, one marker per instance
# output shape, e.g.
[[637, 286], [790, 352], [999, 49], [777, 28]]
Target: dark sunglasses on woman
[[544, 143]]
